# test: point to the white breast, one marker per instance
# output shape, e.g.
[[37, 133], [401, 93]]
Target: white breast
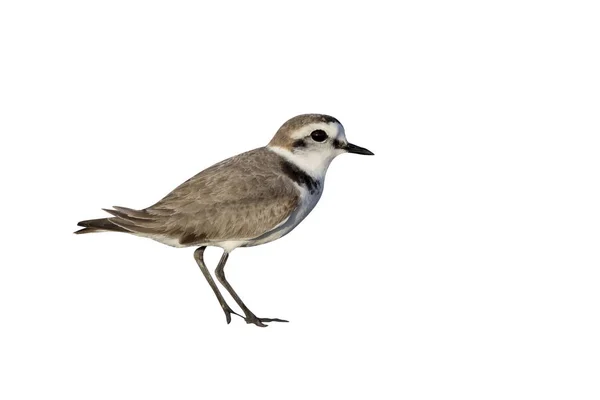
[[308, 201]]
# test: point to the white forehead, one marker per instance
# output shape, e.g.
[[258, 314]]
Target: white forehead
[[333, 129]]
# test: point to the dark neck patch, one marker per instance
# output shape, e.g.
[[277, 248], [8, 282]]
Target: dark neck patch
[[299, 176]]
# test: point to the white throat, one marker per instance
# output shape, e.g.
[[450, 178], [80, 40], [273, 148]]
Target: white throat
[[313, 163]]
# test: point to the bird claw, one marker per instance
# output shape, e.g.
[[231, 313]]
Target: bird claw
[[253, 319], [228, 311]]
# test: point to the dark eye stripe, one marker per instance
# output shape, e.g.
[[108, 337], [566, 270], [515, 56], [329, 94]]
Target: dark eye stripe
[[299, 143]]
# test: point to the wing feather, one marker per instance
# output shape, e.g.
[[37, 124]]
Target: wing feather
[[240, 198]]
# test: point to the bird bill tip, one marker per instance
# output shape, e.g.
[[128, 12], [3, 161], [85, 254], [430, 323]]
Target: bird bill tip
[[354, 149]]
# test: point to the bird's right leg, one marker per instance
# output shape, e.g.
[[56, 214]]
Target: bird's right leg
[[199, 257], [250, 317]]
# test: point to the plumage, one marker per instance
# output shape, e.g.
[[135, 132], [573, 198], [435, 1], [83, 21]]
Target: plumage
[[100, 224], [246, 200], [240, 198]]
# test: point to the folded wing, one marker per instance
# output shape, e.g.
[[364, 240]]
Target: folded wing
[[240, 198]]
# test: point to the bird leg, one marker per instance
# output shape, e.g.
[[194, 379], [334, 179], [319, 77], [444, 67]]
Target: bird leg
[[199, 257], [250, 317]]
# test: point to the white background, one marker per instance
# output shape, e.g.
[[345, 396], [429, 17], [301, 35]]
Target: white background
[[462, 261]]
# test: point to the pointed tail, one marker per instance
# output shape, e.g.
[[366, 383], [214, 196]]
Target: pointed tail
[[99, 225]]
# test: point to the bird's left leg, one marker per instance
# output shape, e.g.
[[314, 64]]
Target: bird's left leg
[[250, 317], [199, 257]]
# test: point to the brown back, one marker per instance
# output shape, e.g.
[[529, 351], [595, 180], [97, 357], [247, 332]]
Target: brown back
[[239, 198]]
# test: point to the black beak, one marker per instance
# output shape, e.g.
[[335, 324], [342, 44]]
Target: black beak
[[352, 148]]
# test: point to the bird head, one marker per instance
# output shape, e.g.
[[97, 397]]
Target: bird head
[[312, 141]]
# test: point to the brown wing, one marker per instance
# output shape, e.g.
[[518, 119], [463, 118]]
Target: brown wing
[[240, 198]]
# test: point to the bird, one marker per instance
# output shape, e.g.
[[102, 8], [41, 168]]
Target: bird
[[247, 200]]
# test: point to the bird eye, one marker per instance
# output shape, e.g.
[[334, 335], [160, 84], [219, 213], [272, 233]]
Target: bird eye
[[318, 135]]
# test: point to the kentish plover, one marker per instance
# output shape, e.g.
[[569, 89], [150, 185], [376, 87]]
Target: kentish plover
[[249, 199]]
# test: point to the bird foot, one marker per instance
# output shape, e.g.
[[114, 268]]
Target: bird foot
[[253, 319], [228, 311]]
